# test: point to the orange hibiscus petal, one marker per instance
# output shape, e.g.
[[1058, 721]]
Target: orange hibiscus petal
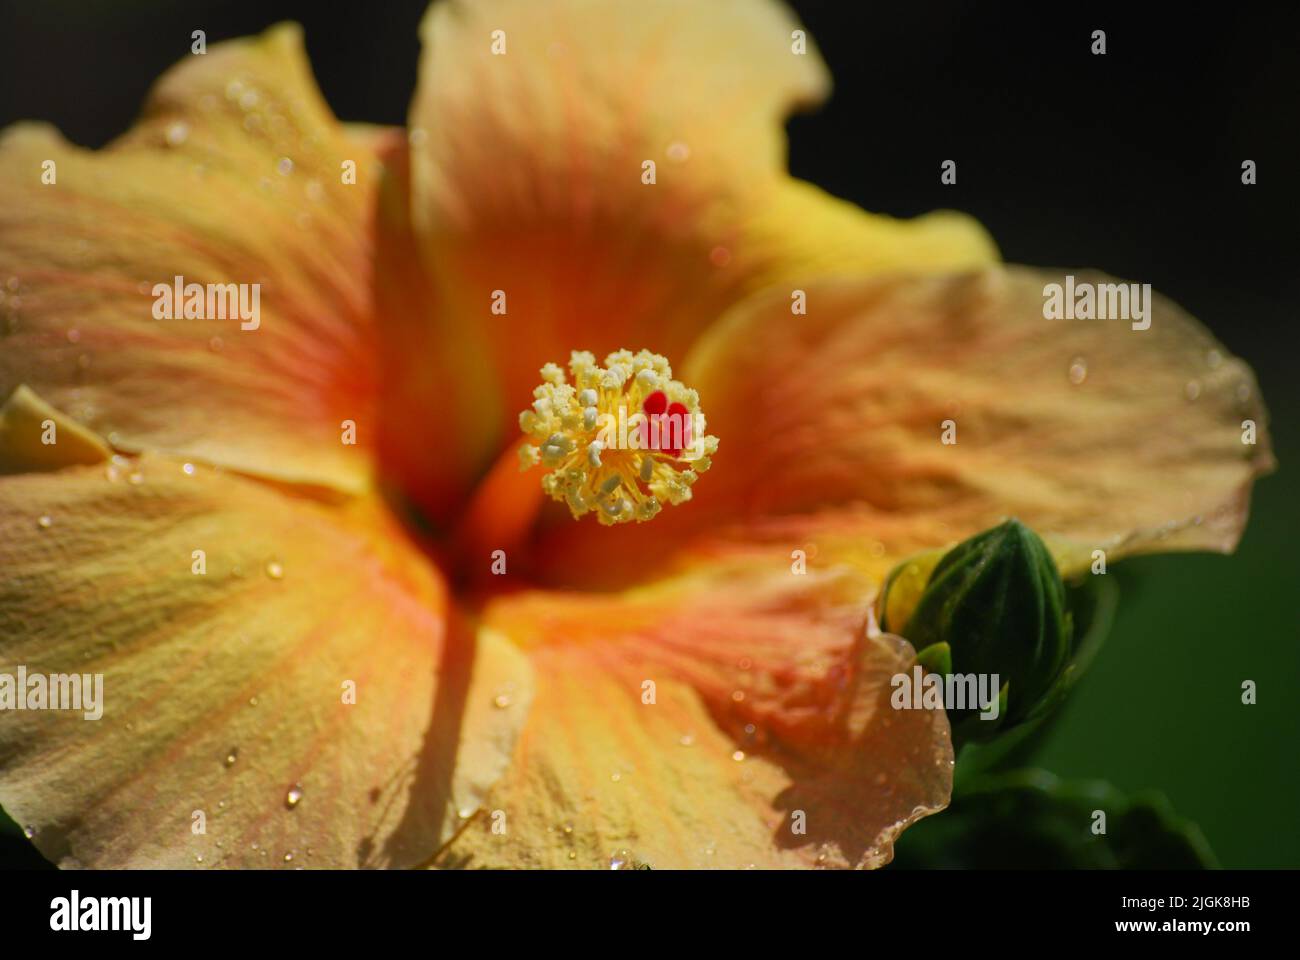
[[234, 175], [730, 719], [529, 179], [227, 676], [1097, 435]]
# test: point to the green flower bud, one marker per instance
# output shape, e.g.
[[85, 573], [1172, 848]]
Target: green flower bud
[[997, 605]]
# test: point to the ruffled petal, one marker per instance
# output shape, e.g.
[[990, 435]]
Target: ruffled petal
[[732, 718], [530, 192], [234, 175], [283, 682], [1097, 435]]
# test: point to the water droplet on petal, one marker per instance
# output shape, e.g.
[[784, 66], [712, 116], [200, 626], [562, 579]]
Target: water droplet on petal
[[288, 857], [188, 469], [573, 855], [1192, 390], [615, 777], [284, 166], [44, 522], [177, 134], [29, 832], [294, 796], [1078, 371], [215, 344], [719, 256], [678, 152], [74, 335], [232, 756], [686, 740], [116, 464], [252, 701], [738, 756], [1213, 359], [274, 570], [501, 701]]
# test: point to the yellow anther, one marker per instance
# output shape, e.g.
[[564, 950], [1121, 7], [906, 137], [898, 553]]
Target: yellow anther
[[620, 439]]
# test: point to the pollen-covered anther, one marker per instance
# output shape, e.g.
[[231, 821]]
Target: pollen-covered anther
[[619, 440]]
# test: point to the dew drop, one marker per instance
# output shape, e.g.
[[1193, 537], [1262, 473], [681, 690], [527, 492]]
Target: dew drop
[[232, 756], [294, 796], [573, 855], [417, 136], [74, 335], [719, 256], [248, 101], [314, 190], [288, 857], [621, 860], [284, 166], [215, 344], [1213, 359], [686, 740], [678, 152], [745, 663], [738, 756], [177, 134], [567, 828], [135, 478], [188, 469], [252, 701], [464, 813], [275, 570], [44, 522], [501, 701], [198, 858], [29, 832], [738, 696], [1078, 371], [615, 777], [1192, 390]]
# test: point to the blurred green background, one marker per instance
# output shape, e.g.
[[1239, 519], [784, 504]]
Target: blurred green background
[[1129, 163]]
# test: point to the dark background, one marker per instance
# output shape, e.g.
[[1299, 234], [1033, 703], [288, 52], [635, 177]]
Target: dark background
[[1129, 162]]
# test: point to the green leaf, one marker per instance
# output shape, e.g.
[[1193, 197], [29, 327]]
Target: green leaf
[[1033, 820]]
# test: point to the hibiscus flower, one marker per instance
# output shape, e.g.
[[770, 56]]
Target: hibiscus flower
[[339, 626]]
